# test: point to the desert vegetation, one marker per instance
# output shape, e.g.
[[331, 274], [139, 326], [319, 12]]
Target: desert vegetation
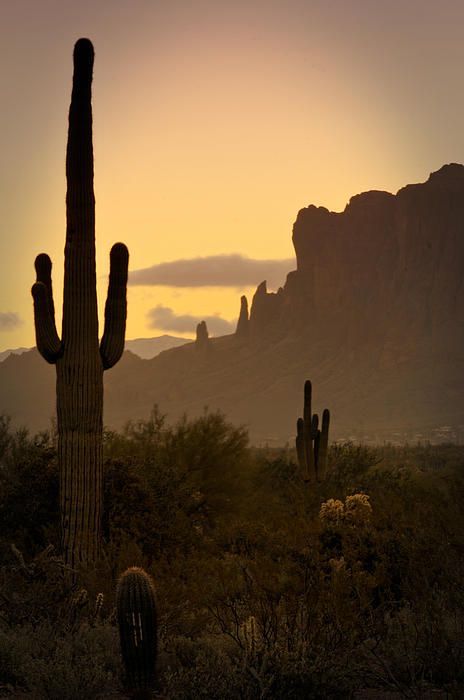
[[266, 587]]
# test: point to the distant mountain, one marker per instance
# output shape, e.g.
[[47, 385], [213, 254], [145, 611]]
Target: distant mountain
[[146, 348], [15, 351], [373, 315]]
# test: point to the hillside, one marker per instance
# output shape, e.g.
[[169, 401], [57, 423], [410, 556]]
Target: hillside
[[12, 351], [146, 348], [372, 314]]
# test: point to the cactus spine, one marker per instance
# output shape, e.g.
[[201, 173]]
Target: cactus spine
[[136, 608], [79, 359], [312, 442]]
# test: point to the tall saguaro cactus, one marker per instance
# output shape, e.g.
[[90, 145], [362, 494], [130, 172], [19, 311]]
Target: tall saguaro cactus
[[79, 358], [312, 442]]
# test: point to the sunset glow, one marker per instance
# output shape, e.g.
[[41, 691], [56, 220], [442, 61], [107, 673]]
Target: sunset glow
[[214, 123]]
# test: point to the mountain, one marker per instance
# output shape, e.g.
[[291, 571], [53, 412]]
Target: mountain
[[15, 351], [146, 348], [372, 315]]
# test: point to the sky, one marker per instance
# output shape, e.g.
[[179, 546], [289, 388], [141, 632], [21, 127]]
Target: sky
[[214, 123]]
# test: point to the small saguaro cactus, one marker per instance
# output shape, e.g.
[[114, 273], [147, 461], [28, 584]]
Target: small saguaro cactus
[[312, 442], [137, 620], [79, 359]]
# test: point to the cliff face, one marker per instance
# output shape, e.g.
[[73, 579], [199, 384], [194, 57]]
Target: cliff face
[[372, 315], [377, 302], [384, 275]]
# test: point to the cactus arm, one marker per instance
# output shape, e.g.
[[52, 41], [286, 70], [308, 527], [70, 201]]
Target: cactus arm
[[307, 403], [112, 343], [300, 447], [317, 441], [307, 416], [314, 445], [323, 444], [43, 269], [48, 342], [314, 426]]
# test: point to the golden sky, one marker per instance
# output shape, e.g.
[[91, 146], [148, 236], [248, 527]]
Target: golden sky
[[214, 123]]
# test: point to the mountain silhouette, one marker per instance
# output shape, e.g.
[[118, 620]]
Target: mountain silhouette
[[372, 315], [146, 348]]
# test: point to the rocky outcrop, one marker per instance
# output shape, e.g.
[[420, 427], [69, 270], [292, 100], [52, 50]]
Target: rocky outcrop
[[202, 336], [384, 274], [372, 315], [243, 324]]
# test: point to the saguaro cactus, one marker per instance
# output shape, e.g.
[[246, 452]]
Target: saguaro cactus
[[136, 608], [312, 443], [79, 359]]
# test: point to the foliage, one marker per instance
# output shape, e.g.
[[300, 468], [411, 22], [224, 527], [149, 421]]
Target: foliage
[[28, 488], [266, 588]]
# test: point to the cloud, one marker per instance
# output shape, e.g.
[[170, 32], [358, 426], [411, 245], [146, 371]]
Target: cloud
[[165, 319], [9, 320], [232, 270]]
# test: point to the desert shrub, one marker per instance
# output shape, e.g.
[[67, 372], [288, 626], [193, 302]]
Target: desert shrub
[[28, 488], [203, 669], [266, 586], [280, 490], [198, 461], [348, 465], [130, 511], [56, 639], [58, 664]]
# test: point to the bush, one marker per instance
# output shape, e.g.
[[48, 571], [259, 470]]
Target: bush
[[266, 586], [56, 664]]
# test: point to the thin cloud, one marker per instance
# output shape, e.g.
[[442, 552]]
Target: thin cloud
[[9, 320], [232, 270], [164, 318]]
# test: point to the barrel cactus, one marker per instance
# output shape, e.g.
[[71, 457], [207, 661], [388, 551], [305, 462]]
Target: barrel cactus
[[137, 620], [79, 358], [312, 442]]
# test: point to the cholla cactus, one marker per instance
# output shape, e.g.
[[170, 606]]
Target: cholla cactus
[[80, 599], [98, 606], [249, 635], [137, 619], [358, 510], [332, 512], [78, 608], [355, 511]]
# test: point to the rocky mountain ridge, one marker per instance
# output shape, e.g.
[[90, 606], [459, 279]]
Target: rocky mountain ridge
[[145, 348], [372, 315]]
